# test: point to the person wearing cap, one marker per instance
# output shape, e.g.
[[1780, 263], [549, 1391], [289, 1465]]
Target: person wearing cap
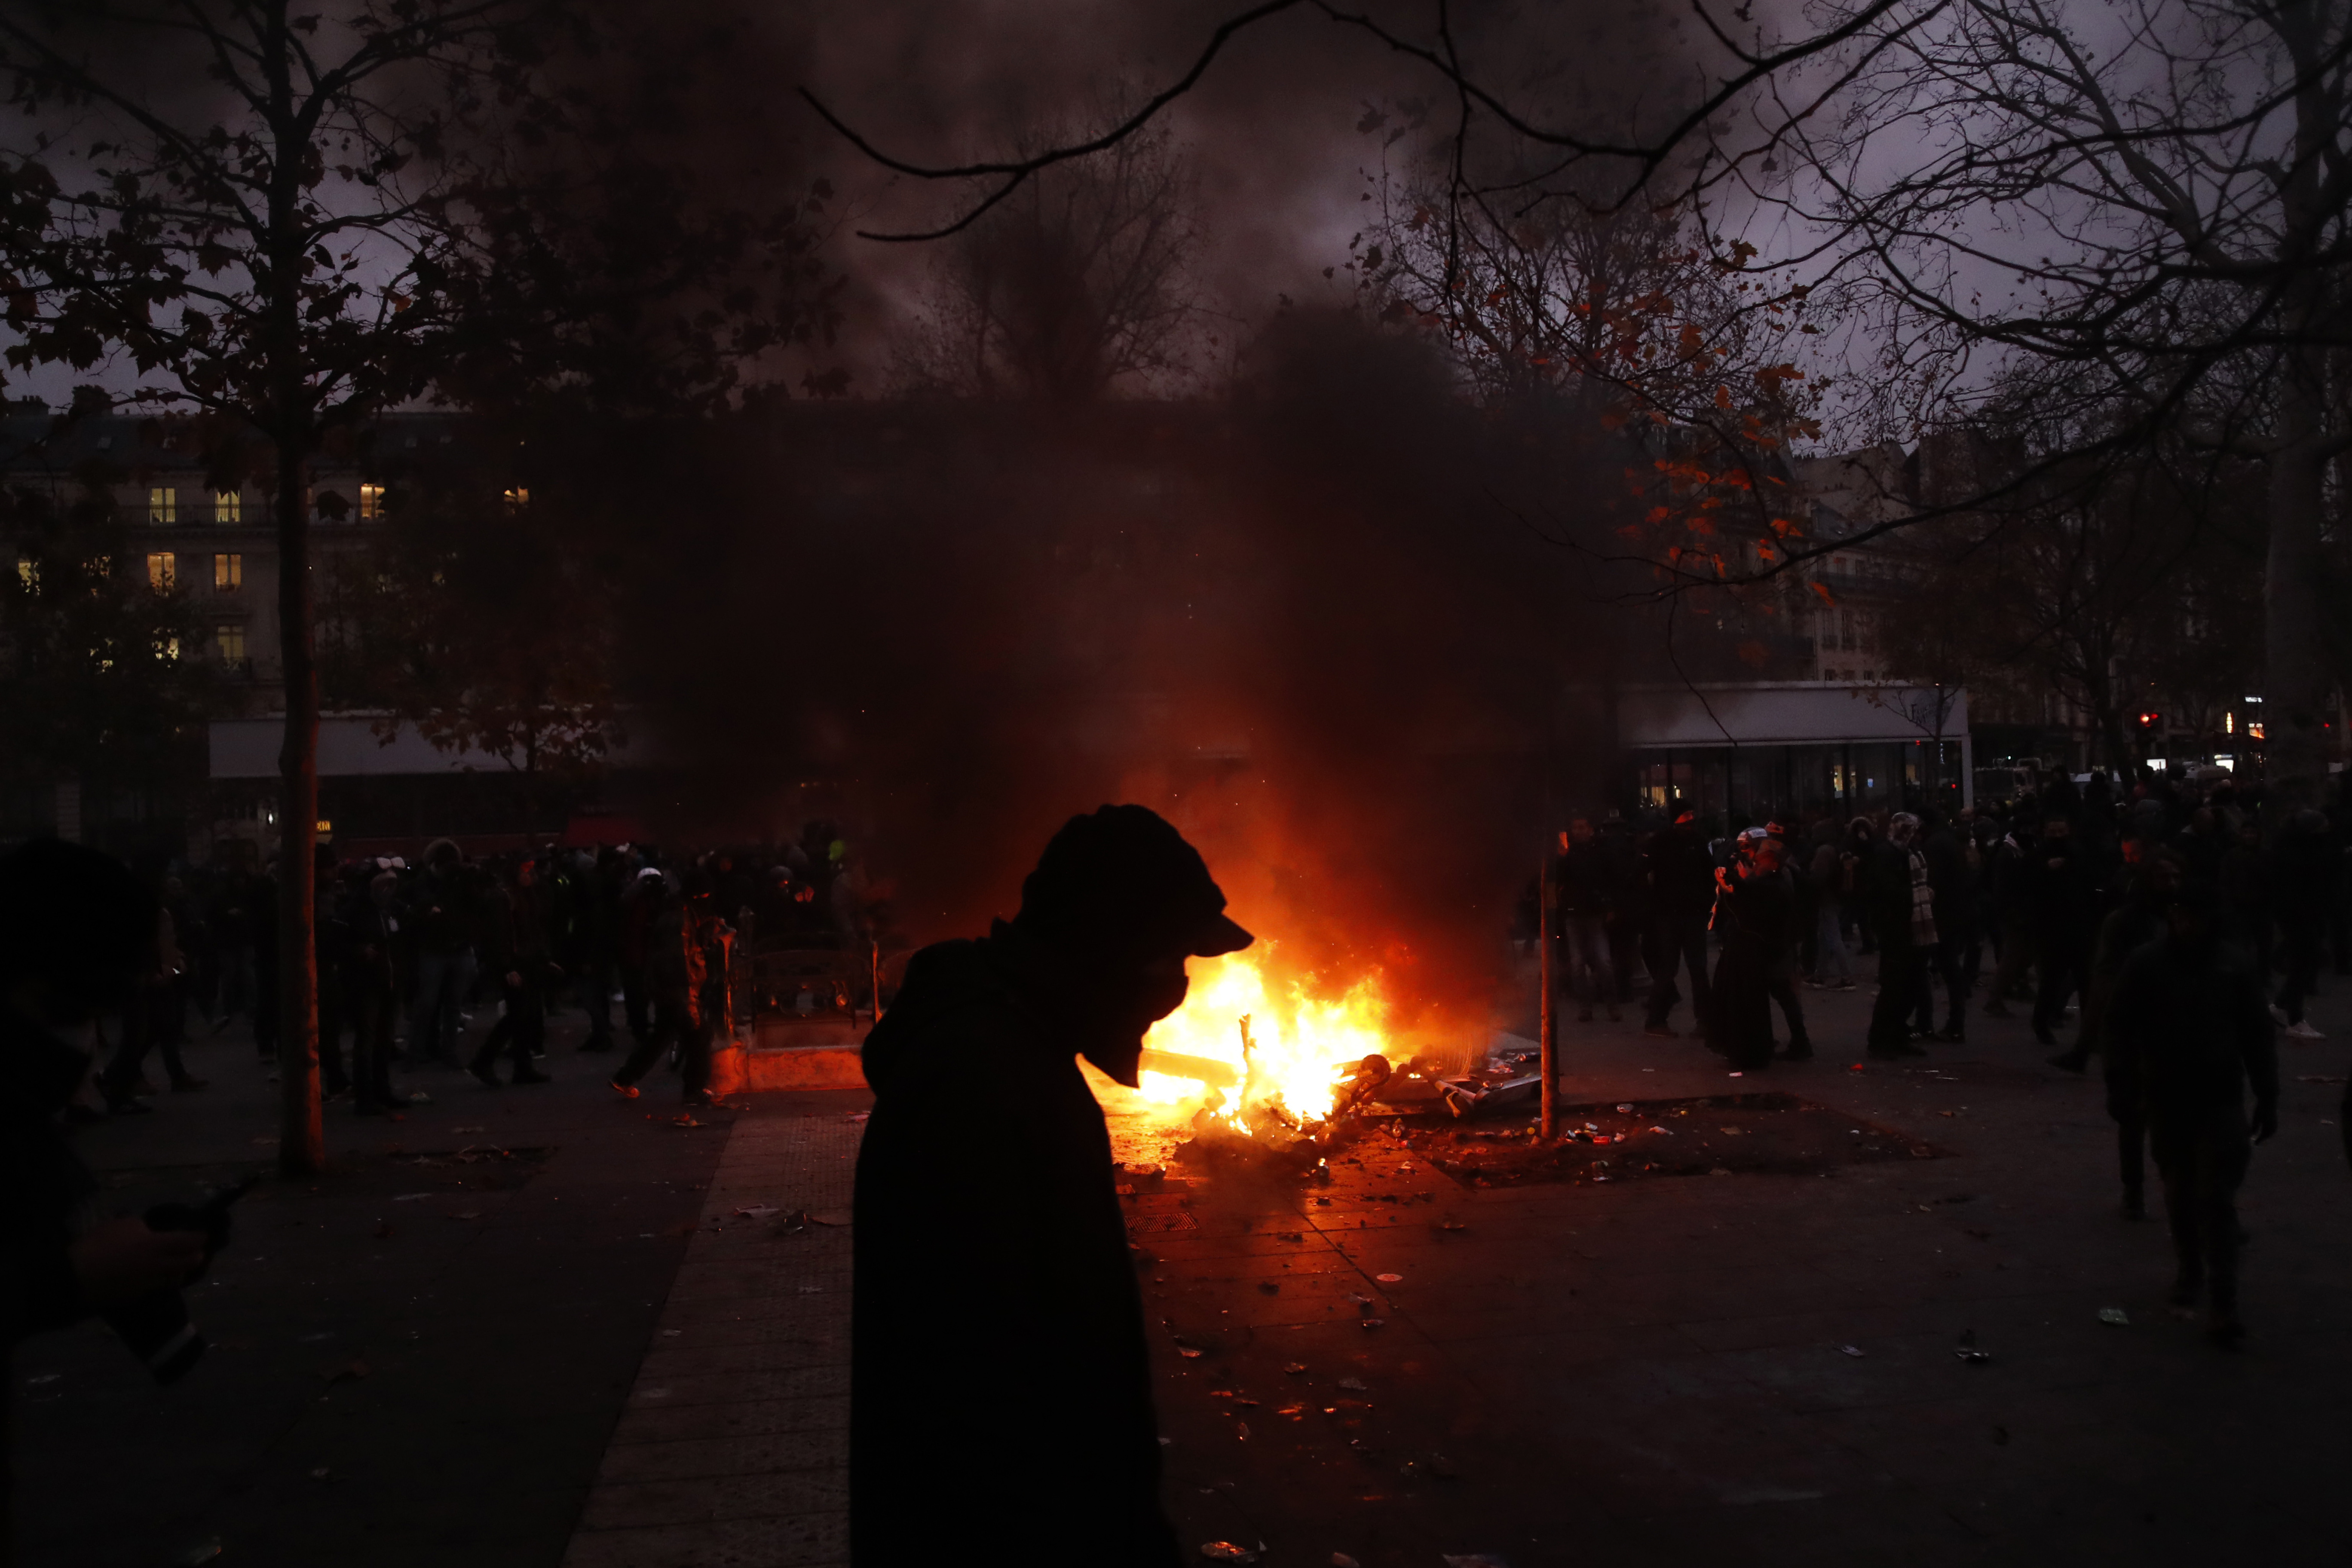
[[1001, 1386]]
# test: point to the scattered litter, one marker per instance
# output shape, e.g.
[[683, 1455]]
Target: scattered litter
[[1289, 1235], [2114, 1316], [672, 1334], [1851, 1351], [859, 1115], [1453, 1224], [468, 1214], [1226, 1551], [1269, 1286], [1970, 1354], [1188, 1352], [322, 1474], [1663, 1132], [46, 1377], [202, 1552], [1718, 1170], [1389, 1279], [1371, 1322], [1357, 1383], [830, 1216], [757, 1211], [1294, 1367], [1341, 1559], [1739, 1075], [684, 1119], [410, 1198]]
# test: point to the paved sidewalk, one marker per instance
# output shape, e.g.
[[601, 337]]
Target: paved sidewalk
[[735, 1446]]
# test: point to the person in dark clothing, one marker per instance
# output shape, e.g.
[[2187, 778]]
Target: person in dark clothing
[[1680, 875], [150, 1018], [1952, 881], [2062, 905], [440, 910], [2190, 1033], [367, 928], [2138, 921], [1754, 910], [686, 969], [1902, 911], [635, 911], [1048, 1438], [515, 944], [2302, 869], [76, 932], [1585, 903], [1621, 863]]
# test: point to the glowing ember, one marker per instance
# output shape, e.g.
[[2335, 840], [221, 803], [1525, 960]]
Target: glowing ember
[[1251, 1049]]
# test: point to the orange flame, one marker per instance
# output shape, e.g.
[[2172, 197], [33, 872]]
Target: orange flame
[[1249, 1047]]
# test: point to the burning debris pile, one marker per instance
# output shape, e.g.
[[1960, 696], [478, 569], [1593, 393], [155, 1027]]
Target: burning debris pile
[[1265, 1068]]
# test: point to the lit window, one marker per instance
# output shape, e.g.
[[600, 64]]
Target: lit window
[[228, 506], [162, 569], [371, 503], [230, 641], [29, 574], [169, 648], [517, 498], [162, 504], [228, 572], [2254, 733]]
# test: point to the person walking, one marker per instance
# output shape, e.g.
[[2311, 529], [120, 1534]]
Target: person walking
[[515, 941], [2190, 1034], [1680, 874], [2062, 903], [437, 919], [686, 972], [2301, 882], [1581, 886], [366, 934], [1831, 872], [1903, 913]]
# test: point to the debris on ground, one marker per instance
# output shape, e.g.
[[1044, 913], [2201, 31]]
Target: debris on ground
[[2115, 1317], [830, 1216], [1851, 1351], [1226, 1551]]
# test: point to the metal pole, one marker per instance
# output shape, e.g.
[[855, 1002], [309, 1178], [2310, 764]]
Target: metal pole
[[1547, 1032], [875, 958]]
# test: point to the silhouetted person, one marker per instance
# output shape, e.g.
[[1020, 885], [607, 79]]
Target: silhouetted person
[[686, 969], [1016, 1421], [1681, 878], [2140, 920], [515, 945], [2063, 904], [1903, 912], [2189, 1031], [76, 932]]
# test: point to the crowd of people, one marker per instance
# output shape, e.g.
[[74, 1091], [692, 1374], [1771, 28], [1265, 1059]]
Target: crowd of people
[[2179, 927], [407, 954]]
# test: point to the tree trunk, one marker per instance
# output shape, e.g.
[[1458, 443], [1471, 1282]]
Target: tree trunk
[[2295, 685], [301, 1137]]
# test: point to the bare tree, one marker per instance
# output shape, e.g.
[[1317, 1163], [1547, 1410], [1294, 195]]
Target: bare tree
[[2145, 207], [1071, 288], [290, 219]]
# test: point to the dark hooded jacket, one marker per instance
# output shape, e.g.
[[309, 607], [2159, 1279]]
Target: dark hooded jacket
[[1001, 1390]]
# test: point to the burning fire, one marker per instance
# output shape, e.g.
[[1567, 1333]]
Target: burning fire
[[1254, 1050]]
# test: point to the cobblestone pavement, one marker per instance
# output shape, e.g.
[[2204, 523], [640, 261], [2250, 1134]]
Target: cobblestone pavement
[[735, 1446], [591, 1358]]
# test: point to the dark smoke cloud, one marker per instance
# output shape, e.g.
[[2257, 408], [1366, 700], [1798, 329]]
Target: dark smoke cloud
[[1294, 622]]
